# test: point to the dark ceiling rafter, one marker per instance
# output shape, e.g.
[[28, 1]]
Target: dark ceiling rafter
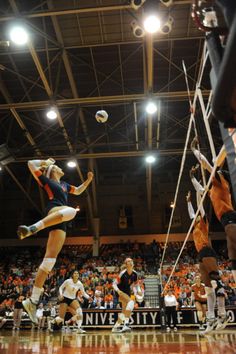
[[88, 101]]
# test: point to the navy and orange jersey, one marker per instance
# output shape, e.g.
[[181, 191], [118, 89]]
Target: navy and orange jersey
[[57, 192], [199, 291], [200, 234], [220, 196], [125, 280]]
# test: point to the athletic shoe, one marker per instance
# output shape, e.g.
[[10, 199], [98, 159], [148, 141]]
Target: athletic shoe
[[79, 330], [30, 308], [116, 329], [222, 322], [175, 329], [167, 329], [201, 327], [24, 231], [125, 329], [211, 325]]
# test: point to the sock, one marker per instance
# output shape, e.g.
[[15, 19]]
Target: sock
[[36, 293], [79, 323], [211, 302], [126, 321], [221, 306], [234, 274], [39, 225]]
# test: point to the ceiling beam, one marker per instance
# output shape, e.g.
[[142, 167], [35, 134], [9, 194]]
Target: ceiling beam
[[114, 154], [65, 12], [87, 101], [77, 11], [94, 45]]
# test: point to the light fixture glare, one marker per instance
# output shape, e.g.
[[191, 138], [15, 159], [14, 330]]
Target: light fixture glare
[[18, 35], [71, 164], [150, 159], [151, 107], [152, 24], [51, 114]]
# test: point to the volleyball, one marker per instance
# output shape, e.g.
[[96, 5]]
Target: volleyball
[[101, 116]]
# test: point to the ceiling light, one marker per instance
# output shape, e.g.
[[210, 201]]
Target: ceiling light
[[151, 107], [18, 35], [152, 24], [51, 114], [150, 159], [71, 164]]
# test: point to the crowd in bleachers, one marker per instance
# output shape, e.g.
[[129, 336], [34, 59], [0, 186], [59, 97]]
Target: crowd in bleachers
[[18, 267]]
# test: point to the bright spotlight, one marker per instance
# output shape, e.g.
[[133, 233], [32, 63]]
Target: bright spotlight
[[152, 24], [51, 114], [18, 35], [150, 159], [71, 164], [151, 107]]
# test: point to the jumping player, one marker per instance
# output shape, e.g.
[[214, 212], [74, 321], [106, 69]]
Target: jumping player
[[48, 175], [68, 300], [221, 201], [207, 262], [127, 280]]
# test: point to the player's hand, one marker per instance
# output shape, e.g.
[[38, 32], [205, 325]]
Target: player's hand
[[90, 175], [60, 297], [194, 143], [188, 197]]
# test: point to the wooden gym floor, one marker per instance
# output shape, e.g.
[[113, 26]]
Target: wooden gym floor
[[103, 341]]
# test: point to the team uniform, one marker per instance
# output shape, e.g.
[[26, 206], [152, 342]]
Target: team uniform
[[222, 203], [199, 293], [57, 194], [208, 263], [124, 285], [125, 281], [69, 291]]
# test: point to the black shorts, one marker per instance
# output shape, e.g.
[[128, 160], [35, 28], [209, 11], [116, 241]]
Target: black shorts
[[201, 302], [228, 218], [61, 226], [206, 252], [67, 301]]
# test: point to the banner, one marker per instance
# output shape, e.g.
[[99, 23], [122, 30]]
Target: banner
[[144, 317]]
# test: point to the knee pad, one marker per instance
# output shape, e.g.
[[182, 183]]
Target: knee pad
[[130, 306], [47, 264], [79, 312], [67, 213]]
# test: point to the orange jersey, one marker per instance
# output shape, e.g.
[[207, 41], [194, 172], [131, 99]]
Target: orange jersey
[[108, 298], [198, 291], [220, 196], [200, 234]]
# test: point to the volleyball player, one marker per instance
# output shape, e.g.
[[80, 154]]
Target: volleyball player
[[221, 200], [69, 301], [126, 282], [48, 175], [200, 301], [207, 261]]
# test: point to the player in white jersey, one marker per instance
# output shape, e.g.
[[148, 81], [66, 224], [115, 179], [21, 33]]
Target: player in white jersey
[[68, 296]]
